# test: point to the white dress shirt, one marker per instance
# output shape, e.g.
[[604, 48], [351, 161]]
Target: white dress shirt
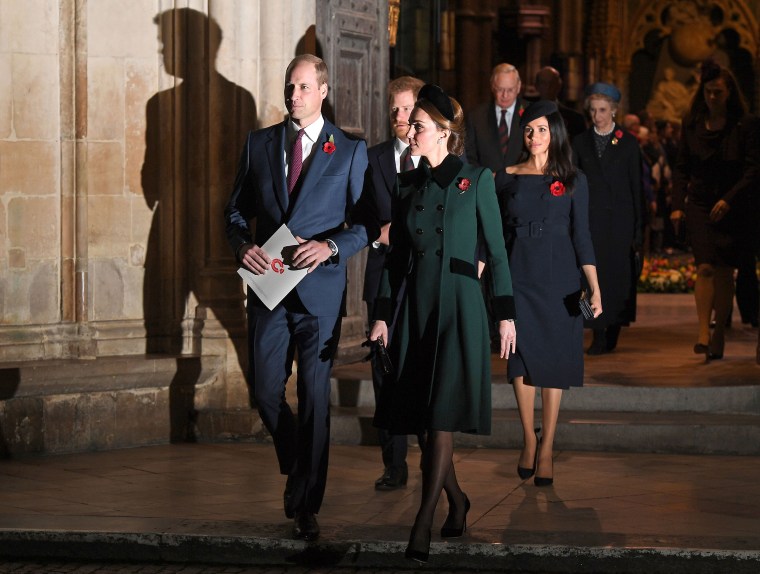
[[510, 113], [399, 147], [310, 137]]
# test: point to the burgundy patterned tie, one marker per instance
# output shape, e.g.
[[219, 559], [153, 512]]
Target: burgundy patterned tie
[[406, 159], [503, 133], [296, 162]]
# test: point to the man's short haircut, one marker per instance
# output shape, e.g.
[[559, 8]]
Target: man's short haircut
[[504, 69], [404, 84], [319, 64]]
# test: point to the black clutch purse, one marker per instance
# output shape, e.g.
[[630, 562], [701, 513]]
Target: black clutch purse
[[583, 304], [380, 354]]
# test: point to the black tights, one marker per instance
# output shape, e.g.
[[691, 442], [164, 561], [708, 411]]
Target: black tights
[[437, 474]]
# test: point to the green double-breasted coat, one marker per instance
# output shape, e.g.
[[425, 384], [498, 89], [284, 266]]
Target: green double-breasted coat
[[443, 220]]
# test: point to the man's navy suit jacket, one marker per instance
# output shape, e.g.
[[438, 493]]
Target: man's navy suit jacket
[[319, 208]]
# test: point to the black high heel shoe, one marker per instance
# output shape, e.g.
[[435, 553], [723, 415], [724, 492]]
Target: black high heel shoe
[[449, 532], [523, 472], [544, 480], [420, 556], [700, 349]]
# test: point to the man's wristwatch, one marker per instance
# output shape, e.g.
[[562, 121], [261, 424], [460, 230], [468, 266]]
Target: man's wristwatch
[[333, 247]]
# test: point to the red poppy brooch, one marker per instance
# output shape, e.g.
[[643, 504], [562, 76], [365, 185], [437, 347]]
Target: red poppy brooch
[[618, 137], [557, 188], [329, 146], [464, 184]]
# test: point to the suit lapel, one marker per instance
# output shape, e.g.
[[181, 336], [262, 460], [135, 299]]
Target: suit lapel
[[276, 153], [320, 159], [514, 129], [387, 162]]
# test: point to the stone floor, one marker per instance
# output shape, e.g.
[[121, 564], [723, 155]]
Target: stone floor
[[222, 503]]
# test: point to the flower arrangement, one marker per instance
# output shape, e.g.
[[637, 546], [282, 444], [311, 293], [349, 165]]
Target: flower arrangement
[[675, 274], [557, 188], [464, 184], [329, 146]]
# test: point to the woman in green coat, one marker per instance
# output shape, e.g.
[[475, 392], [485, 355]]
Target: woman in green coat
[[443, 214]]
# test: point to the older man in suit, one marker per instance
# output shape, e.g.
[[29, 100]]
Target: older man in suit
[[494, 139], [308, 174], [386, 159]]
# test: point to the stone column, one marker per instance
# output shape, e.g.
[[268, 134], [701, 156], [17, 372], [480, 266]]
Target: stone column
[[474, 32]]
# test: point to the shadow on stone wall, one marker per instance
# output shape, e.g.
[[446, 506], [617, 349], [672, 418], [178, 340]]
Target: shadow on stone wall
[[194, 134], [9, 382]]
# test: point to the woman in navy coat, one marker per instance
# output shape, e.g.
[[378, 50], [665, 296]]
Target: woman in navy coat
[[544, 202], [611, 159]]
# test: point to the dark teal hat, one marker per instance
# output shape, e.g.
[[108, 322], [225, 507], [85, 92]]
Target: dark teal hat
[[605, 89], [436, 96], [537, 109]]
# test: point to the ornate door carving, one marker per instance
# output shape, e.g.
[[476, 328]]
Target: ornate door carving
[[353, 36]]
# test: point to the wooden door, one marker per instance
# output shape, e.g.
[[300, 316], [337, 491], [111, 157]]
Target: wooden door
[[353, 38]]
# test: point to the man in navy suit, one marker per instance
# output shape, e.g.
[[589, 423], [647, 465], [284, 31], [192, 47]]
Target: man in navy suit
[[386, 159], [308, 174], [494, 138]]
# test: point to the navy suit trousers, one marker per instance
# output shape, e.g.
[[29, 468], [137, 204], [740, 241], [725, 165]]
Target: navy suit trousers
[[302, 442]]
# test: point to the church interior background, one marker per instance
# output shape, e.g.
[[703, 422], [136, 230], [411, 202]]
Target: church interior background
[[120, 129]]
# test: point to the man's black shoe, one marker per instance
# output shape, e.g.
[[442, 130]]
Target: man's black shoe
[[306, 526], [392, 479], [383, 477]]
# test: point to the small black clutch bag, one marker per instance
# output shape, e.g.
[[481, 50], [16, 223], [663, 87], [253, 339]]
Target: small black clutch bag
[[583, 304], [380, 354], [385, 361]]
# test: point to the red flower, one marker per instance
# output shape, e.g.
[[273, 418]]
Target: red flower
[[329, 146], [464, 184], [557, 188], [618, 134], [521, 111]]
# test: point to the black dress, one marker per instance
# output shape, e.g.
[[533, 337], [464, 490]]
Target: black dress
[[713, 165], [547, 241]]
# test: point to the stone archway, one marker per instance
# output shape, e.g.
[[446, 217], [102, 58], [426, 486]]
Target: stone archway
[[668, 40]]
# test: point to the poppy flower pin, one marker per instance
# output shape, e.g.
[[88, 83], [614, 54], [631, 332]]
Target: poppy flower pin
[[618, 137], [557, 188], [463, 184], [329, 146]]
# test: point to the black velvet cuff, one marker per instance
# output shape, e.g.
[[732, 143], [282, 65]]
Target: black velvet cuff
[[383, 310], [504, 307]]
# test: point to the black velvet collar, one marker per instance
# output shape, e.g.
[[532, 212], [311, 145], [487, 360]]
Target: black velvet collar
[[446, 172], [443, 175]]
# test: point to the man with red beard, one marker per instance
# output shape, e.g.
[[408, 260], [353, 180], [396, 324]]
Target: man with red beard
[[386, 159]]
